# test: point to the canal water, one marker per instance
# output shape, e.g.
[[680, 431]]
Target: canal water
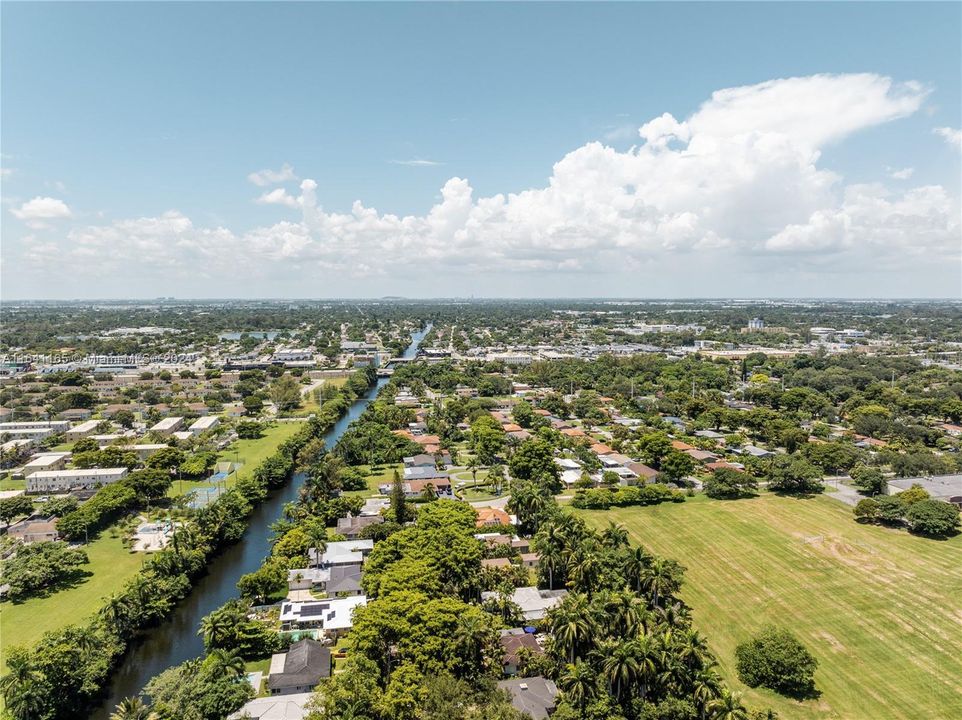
[[176, 640]]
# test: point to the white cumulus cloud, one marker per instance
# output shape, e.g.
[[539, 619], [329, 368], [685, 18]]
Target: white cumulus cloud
[[263, 178], [738, 183], [36, 212], [953, 136]]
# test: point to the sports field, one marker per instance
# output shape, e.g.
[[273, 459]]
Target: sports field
[[879, 608]]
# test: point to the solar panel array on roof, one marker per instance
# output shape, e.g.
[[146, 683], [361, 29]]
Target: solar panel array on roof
[[312, 610]]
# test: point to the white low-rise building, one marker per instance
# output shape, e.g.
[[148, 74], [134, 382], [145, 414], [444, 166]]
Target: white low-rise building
[[145, 450], [36, 433], [168, 426], [204, 424], [63, 480], [58, 426], [46, 461], [84, 429]]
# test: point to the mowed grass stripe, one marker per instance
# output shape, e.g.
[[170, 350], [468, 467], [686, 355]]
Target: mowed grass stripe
[[881, 609]]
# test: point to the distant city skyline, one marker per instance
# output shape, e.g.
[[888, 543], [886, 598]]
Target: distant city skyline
[[684, 150]]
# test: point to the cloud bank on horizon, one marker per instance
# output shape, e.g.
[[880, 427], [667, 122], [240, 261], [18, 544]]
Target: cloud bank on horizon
[[739, 180]]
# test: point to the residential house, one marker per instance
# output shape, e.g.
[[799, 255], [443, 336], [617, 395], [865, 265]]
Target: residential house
[[701, 456], [416, 487], [334, 616], [351, 526], [76, 414], [300, 669], [203, 424], [534, 696], [530, 560], [491, 517], [533, 602], [277, 707], [32, 530], [515, 643], [642, 471], [754, 451]]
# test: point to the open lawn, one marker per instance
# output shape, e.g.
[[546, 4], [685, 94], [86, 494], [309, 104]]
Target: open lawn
[[10, 483], [248, 453], [111, 566], [880, 609], [382, 474]]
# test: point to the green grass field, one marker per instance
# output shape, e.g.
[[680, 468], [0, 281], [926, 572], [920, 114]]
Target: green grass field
[[384, 474], [112, 566], [10, 483], [880, 609], [248, 453]]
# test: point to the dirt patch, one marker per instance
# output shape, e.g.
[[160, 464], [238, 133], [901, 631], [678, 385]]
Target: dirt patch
[[831, 640]]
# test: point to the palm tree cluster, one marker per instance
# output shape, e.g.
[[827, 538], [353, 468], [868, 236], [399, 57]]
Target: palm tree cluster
[[621, 642]]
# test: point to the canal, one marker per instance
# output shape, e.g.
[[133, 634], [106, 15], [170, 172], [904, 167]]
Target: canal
[[176, 640]]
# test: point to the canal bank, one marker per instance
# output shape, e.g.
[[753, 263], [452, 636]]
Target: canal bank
[[176, 640]]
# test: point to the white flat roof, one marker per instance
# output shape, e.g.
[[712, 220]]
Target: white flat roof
[[90, 472], [168, 423]]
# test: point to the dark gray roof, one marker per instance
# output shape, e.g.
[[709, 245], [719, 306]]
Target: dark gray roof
[[534, 695], [344, 578], [423, 473], [305, 664]]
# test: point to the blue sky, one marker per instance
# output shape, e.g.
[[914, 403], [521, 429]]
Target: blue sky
[[137, 127]]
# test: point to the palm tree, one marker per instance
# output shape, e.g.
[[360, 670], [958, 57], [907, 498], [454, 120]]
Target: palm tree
[[660, 580], [224, 662], [728, 706], [620, 666], [469, 642], [571, 625], [133, 708], [706, 687], [636, 564], [552, 562], [647, 666], [585, 567], [626, 614], [25, 700], [615, 535], [693, 649], [578, 683], [116, 613], [216, 628], [19, 670]]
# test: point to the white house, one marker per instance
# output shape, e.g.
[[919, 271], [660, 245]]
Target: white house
[[334, 616]]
